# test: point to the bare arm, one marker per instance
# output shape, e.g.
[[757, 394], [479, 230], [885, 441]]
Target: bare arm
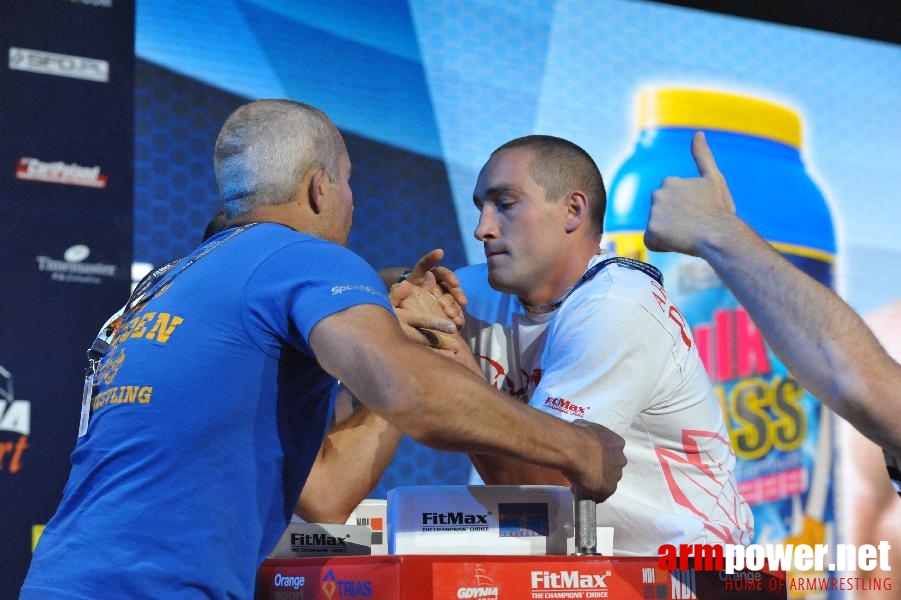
[[822, 341], [502, 470], [446, 406], [350, 462], [411, 302], [493, 469], [360, 446]]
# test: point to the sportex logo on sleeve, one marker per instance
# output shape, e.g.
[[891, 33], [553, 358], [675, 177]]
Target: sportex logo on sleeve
[[343, 289]]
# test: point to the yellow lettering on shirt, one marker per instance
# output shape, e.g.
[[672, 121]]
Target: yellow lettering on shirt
[[163, 327], [123, 394], [140, 330]]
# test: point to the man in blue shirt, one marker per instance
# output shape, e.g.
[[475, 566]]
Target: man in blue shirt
[[209, 410]]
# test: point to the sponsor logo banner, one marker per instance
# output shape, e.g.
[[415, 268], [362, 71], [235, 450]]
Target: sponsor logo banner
[[487, 580], [60, 65], [376, 525], [503, 578], [33, 169], [334, 586], [97, 3], [15, 426], [73, 268], [318, 579], [523, 519]]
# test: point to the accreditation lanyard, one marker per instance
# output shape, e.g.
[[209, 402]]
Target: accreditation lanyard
[[146, 290], [649, 270]]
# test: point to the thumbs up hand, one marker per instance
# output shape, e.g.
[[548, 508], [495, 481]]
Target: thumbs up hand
[[685, 213]]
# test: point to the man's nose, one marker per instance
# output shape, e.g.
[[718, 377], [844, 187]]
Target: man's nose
[[486, 227]]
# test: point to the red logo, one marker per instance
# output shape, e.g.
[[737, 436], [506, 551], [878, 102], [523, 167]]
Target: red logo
[[33, 169], [565, 406]]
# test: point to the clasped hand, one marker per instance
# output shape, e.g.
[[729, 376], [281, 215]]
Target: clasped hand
[[429, 304]]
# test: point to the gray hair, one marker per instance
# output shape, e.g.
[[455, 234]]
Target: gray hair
[[266, 147], [560, 166]]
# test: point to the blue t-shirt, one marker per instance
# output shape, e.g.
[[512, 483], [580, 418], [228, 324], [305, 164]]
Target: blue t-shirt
[[208, 415]]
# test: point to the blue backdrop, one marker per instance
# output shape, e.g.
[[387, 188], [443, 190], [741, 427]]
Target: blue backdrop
[[65, 239], [108, 139]]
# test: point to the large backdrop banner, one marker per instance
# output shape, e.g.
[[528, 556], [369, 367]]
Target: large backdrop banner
[[806, 126], [66, 164]]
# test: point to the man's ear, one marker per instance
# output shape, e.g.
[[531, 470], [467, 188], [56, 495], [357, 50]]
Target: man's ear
[[577, 210], [316, 191]]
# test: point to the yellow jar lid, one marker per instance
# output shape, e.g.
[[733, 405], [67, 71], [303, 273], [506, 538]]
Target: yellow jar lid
[[704, 109]]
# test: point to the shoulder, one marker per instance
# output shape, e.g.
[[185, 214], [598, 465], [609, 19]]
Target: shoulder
[[273, 242], [616, 301], [617, 281], [274, 235], [283, 260]]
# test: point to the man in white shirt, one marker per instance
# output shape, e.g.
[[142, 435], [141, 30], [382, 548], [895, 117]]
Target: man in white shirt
[[582, 334]]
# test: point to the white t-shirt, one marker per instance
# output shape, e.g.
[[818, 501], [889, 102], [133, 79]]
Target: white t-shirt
[[618, 353]]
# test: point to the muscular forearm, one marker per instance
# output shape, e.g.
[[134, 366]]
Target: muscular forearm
[[447, 406], [821, 340], [353, 457], [526, 434], [538, 448], [500, 470]]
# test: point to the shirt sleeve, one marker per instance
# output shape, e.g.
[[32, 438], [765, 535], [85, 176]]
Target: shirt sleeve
[[602, 362], [305, 282]]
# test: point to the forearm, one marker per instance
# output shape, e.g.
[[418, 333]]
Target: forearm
[[821, 340], [526, 435], [447, 406], [350, 463], [500, 470], [436, 401]]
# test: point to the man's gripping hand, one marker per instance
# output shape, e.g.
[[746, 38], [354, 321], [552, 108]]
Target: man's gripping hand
[[685, 213], [443, 285], [599, 473], [422, 317]]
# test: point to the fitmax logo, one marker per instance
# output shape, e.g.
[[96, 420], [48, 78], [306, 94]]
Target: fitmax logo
[[318, 539], [565, 406], [453, 518], [571, 580]]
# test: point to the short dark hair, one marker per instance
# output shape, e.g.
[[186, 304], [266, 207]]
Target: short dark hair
[[560, 166]]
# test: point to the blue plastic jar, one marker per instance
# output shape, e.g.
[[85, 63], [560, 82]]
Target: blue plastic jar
[[781, 434]]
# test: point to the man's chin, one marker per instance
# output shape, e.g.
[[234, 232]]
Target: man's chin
[[497, 281]]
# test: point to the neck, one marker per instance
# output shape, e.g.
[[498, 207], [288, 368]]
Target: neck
[[544, 308], [279, 213], [548, 297]]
